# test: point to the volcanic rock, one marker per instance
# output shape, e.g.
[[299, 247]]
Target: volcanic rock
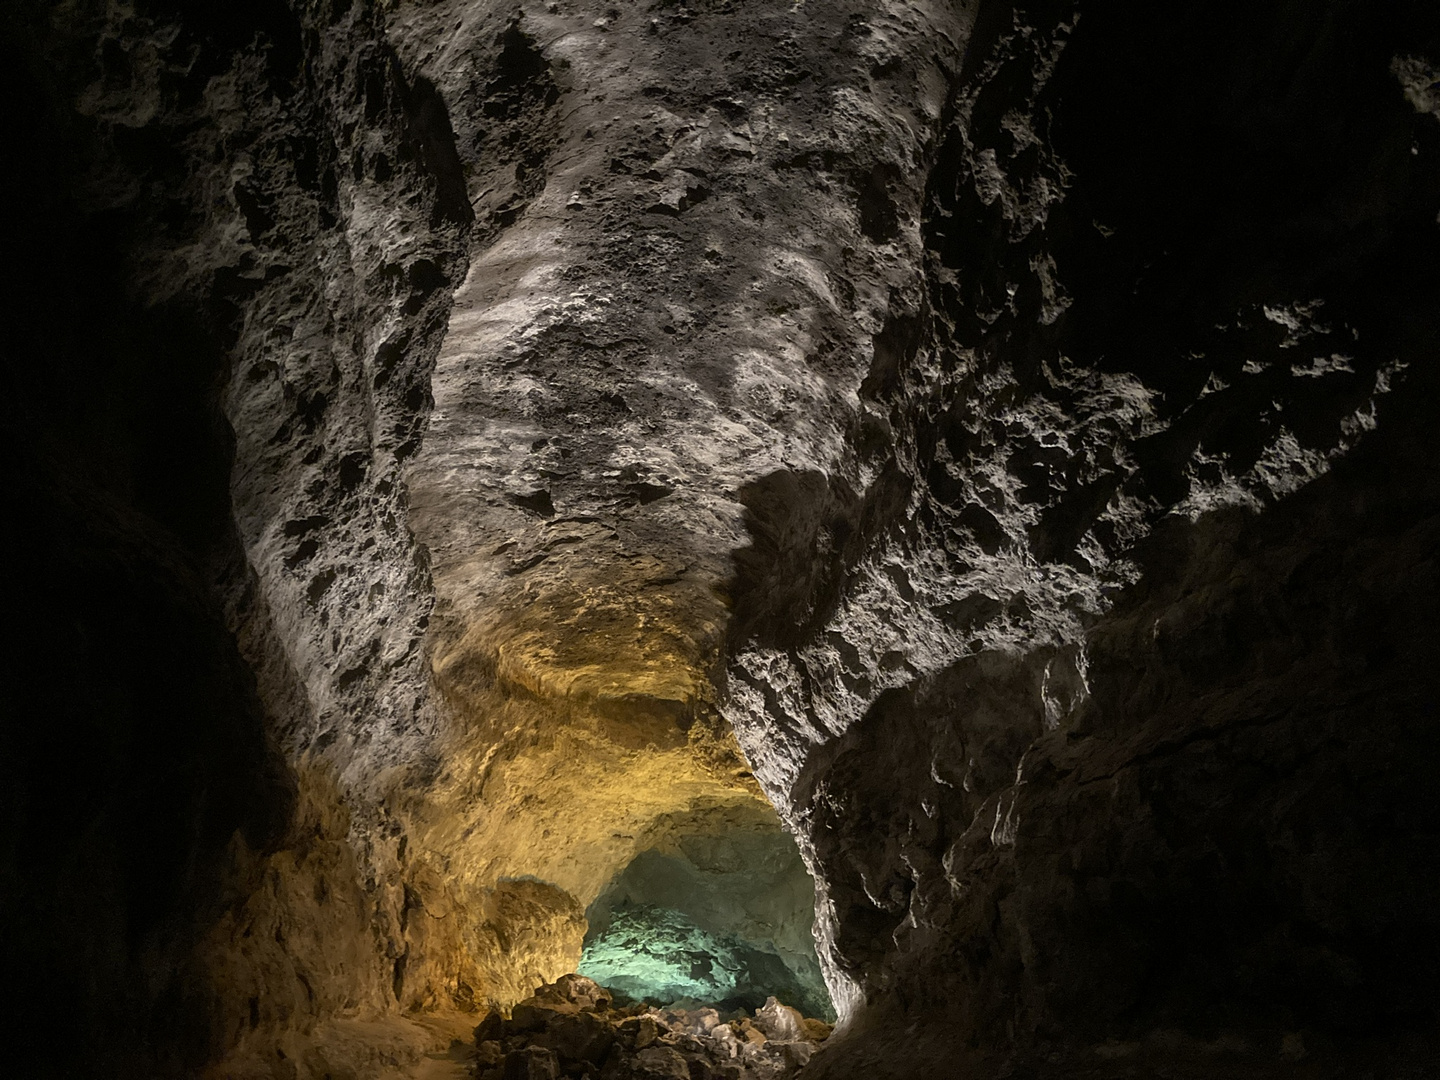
[[464, 453], [530, 1063], [654, 1045]]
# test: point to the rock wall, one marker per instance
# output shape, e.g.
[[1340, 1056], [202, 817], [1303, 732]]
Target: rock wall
[[1138, 665], [208, 414], [462, 443]]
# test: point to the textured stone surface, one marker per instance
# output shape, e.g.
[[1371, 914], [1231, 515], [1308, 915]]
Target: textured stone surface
[[462, 446], [634, 343], [740, 881], [1167, 426], [573, 1026]]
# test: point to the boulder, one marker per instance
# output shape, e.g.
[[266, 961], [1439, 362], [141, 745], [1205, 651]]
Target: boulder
[[748, 1033], [639, 1032], [489, 1053], [796, 1054], [695, 1021], [815, 1030], [779, 1022], [660, 1063], [583, 1036], [571, 1029], [531, 1063], [713, 1070], [575, 990], [725, 1043], [535, 1015], [492, 1027]]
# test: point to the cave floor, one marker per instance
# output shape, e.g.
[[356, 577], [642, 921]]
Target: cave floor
[[444, 1044], [427, 1046], [454, 1061]]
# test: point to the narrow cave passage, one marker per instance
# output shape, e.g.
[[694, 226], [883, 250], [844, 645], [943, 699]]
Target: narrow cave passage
[[695, 949], [624, 839], [718, 913]]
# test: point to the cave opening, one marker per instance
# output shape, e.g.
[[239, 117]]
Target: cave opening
[[718, 912]]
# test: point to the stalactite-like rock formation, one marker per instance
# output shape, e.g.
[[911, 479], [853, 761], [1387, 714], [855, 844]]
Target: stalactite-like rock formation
[[468, 457]]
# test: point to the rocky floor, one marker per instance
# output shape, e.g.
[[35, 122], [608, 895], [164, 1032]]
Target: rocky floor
[[573, 1028]]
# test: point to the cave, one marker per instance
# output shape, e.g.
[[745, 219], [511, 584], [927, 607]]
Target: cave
[[721, 540], [721, 915]]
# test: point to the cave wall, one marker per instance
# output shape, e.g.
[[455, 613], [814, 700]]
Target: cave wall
[[458, 443], [135, 759], [182, 872], [1149, 638], [293, 181], [682, 250]]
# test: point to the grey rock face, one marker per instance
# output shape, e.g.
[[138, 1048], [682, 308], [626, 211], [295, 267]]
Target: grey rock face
[[229, 268], [673, 297], [1132, 420]]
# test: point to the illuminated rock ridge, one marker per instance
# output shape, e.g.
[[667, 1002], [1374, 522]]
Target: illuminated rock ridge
[[480, 467]]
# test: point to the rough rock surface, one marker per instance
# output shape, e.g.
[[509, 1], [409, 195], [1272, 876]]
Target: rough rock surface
[[743, 888], [572, 1028], [462, 447], [1156, 603]]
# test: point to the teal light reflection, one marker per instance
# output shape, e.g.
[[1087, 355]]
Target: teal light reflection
[[659, 955]]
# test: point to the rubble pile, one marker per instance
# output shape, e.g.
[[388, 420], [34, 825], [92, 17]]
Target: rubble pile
[[573, 1028]]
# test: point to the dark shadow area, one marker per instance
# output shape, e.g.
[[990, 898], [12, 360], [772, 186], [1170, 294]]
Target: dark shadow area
[[1226, 212], [132, 747]]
